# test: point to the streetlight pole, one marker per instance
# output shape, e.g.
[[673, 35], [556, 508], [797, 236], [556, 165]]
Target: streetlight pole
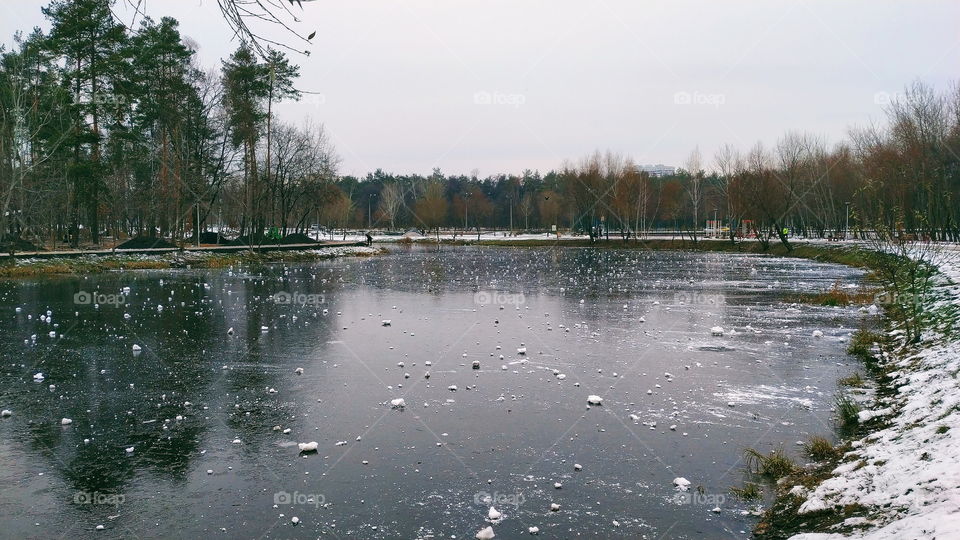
[[196, 224], [369, 211], [510, 203], [846, 226], [466, 212]]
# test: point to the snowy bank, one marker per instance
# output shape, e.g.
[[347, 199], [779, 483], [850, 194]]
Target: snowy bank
[[904, 476]]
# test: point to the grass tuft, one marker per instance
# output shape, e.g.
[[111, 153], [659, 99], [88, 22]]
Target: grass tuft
[[749, 492], [820, 449], [861, 344], [847, 411], [854, 381], [772, 466]]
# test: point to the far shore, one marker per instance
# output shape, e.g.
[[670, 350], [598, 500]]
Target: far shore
[[92, 263], [35, 264]]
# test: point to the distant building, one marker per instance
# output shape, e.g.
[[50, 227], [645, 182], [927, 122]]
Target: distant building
[[657, 171]]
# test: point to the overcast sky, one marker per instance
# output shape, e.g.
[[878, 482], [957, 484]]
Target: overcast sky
[[502, 86]]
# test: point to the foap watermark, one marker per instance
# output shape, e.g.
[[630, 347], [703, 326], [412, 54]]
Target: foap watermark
[[101, 98], [699, 98], [899, 299], [95, 497], [286, 498], [297, 299], [484, 97], [314, 99], [499, 499], [697, 498], [86, 298], [886, 98], [692, 297], [485, 298]]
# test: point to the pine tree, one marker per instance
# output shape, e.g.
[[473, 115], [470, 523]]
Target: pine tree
[[85, 34], [161, 81], [281, 74], [246, 83]]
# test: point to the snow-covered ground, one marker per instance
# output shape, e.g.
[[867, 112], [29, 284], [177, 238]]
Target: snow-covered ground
[[908, 473]]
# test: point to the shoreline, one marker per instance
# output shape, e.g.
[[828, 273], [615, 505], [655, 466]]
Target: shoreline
[[893, 473], [94, 264], [850, 254], [81, 263]]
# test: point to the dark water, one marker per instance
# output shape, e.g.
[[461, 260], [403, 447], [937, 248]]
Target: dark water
[[197, 398]]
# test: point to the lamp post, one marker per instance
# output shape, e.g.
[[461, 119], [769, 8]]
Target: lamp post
[[196, 224], [846, 225], [369, 211], [466, 210]]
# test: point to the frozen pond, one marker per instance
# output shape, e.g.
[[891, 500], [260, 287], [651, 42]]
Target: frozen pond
[[179, 440]]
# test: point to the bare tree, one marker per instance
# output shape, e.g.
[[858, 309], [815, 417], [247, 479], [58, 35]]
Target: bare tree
[[302, 160], [248, 19], [23, 151], [431, 209], [526, 209], [694, 187], [391, 200], [729, 163]]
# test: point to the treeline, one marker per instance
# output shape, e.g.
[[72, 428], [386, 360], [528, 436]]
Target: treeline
[[901, 179], [106, 130]]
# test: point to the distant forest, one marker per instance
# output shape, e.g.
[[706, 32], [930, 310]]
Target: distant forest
[[108, 132]]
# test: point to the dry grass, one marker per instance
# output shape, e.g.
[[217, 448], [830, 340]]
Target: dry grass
[[820, 449], [135, 265], [749, 492], [772, 466], [90, 265], [835, 297], [34, 270], [853, 381], [862, 342]]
